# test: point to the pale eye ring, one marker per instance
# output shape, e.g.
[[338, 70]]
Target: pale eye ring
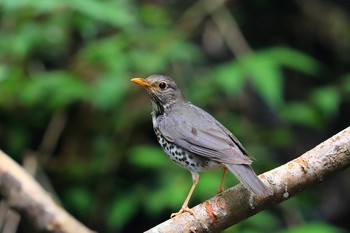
[[163, 85]]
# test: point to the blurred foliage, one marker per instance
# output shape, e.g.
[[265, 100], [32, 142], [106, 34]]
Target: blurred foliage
[[65, 94]]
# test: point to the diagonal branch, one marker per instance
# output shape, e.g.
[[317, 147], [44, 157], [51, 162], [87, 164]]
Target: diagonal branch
[[233, 205], [23, 194]]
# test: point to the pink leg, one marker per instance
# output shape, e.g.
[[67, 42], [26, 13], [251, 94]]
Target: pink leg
[[221, 188], [184, 208]]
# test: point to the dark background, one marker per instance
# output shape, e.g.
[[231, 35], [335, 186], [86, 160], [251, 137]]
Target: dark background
[[276, 73]]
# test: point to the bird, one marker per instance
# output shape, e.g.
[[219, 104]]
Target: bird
[[195, 140]]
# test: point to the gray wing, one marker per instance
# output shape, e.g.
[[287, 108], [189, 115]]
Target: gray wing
[[203, 136]]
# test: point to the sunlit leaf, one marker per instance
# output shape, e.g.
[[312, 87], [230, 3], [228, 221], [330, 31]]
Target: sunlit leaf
[[56, 89], [148, 156], [264, 70], [117, 13], [230, 77], [301, 113], [108, 91], [327, 99], [267, 78], [39, 5], [292, 58]]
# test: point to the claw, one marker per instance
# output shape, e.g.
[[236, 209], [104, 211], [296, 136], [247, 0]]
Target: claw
[[220, 190], [182, 210]]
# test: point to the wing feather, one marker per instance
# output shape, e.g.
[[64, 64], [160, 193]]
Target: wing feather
[[205, 137]]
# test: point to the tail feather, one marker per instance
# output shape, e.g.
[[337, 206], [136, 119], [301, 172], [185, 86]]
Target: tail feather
[[249, 179]]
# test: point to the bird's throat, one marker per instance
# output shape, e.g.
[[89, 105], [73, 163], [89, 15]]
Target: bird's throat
[[157, 106], [158, 110], [160, 107]]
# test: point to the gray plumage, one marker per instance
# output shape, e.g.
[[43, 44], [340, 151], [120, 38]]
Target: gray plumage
[[204, 142]]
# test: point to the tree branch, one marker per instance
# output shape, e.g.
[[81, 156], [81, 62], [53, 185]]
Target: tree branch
[[232, 206], [23, 194]]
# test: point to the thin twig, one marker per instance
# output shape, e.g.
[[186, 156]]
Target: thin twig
[[231, 32], [53, 132]]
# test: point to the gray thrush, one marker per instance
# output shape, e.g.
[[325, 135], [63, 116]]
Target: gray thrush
[[194, 139]]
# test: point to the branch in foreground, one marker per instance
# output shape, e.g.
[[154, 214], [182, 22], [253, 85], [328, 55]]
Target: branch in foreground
[[232, 206], [23, 194]]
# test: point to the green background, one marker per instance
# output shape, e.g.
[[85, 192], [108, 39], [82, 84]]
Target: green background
[[276, 73]]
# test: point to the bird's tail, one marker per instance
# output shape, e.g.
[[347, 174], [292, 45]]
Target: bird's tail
[[249, 179]]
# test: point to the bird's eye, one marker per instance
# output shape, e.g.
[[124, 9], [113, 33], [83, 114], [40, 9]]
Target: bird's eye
[[163, 85]]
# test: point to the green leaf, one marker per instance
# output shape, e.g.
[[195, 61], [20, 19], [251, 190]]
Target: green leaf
[[17, 139], [267, 79], [39, 6], [55, 89], [172, 185], [314, 227], [79, 198], [107, 52], [327, 99], [230, 77], [117, 13], [4, 73], [152, 56], [346, 83], [108, 91], [264, 70], [154, 15], [148, 156], [121, 210], [261, 222], [301, 113], [284, 56]]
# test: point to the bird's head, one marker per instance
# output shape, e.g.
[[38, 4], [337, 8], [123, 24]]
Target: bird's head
[[162, 90]]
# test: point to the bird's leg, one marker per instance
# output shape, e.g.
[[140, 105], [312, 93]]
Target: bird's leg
[[184, 208], [221, 188]]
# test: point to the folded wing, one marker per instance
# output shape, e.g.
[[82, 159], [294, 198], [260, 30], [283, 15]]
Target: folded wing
[[205, 137]]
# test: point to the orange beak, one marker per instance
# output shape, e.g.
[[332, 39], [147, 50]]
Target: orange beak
[[141, 81]]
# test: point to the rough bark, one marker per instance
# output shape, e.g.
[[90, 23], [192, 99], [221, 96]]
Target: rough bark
[[234, 205], [24, 195]]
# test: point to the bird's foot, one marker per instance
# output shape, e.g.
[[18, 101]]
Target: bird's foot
[[220, 190], [182, 210]]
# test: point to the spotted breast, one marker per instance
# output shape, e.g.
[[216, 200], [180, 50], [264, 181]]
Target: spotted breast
[[185, 158]]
